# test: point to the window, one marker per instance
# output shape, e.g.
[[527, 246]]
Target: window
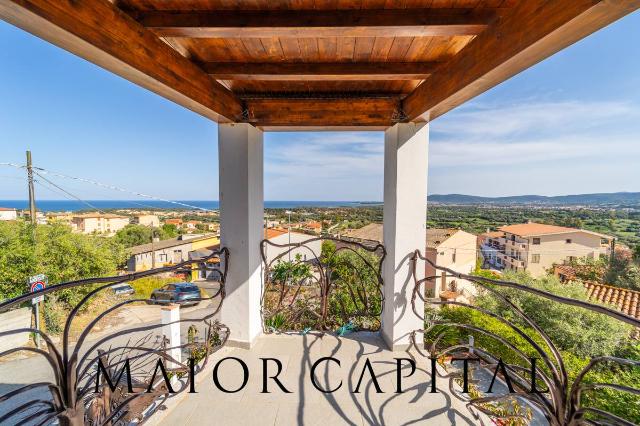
[[568, 240], [536, 241], [535, 258], [162, 257], [453, 257]]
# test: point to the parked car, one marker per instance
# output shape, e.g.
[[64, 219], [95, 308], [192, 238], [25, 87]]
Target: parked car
[[122, 289], [181, 293]]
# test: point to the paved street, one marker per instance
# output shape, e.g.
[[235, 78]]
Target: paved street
[[32, 369]]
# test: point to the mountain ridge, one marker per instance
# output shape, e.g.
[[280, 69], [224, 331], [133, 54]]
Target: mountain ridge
[[600, 198]]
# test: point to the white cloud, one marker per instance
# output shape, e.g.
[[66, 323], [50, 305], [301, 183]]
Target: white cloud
[[324, 166], [488, 121], [534, 142], [535, 132]]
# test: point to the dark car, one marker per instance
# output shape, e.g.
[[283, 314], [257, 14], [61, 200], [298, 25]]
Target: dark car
[[181, 293]]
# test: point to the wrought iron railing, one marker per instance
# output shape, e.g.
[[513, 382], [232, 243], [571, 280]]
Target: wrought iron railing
[[323, 284], [76, 396], [558, 395]]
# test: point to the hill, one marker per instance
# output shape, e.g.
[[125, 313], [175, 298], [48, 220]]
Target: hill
[[598, 199]]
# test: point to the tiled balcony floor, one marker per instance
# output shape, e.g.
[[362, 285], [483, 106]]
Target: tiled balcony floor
[[306, 405]]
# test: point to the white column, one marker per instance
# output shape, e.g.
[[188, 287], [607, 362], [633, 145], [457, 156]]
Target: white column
[[240, 156], [171, 331], [405, 210]]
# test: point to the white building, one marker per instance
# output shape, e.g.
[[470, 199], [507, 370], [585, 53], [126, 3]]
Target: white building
[[99, 223], [536, 247], [449, 248], [456, 250], [147, 220], [8, 213], [283, 237]]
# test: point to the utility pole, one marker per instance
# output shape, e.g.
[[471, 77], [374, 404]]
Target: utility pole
[[32, 195], [32, 214]]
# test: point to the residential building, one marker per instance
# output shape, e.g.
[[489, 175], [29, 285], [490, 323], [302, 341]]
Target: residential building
[[211, 226], [456, 250], [313, 227], [41, 219], [450, 248], [490, 248], [99, 223], [168, 252], [65, 218], [536, 247], [147, 220], [281, 236], [177, 222], [8, 213]]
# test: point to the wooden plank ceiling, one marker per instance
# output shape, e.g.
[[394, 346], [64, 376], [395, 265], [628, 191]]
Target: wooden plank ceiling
[[289, 64]]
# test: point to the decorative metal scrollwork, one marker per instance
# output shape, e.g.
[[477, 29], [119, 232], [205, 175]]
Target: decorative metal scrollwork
[[71, 398], [321, 284], [560, 399]]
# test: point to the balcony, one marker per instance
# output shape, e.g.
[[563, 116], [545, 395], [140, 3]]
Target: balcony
[[329, 305], [254, 306]]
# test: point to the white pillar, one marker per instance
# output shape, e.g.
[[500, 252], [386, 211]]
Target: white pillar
[[405, 210], [240, 156], [171, 331]]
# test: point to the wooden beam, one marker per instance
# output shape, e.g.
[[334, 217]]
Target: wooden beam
[[295, 114], [315, 23], [533, 31], [101, 33], [319, 71]]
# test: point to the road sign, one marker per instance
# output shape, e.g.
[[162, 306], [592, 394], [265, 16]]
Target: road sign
[[37, 283]]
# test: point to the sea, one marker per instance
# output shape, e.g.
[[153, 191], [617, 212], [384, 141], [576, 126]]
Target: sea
[[73, 205]]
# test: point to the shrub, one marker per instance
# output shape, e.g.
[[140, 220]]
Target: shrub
[[145, 286], [578, 333], [584, 332]]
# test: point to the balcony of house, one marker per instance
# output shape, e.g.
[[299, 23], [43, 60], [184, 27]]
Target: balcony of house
[[516, 243], [320, 353], [330, 337]]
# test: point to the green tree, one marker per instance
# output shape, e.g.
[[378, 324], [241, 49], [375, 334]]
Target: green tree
[[55, 252], [581, 331], [590, 269], [169, 230], [630, 277], [291, 272], [134, 235]]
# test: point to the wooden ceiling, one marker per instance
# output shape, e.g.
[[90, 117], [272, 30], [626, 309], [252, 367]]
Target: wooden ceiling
[[290, 64]]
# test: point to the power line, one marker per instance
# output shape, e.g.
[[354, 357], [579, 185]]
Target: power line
[[116, 188], [53, 190], [18, 166], [68, 193], [108, 186]]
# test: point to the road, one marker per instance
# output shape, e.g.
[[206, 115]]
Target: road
[[19, 372]]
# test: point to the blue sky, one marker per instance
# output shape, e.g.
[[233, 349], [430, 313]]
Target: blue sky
[[570, 124]]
